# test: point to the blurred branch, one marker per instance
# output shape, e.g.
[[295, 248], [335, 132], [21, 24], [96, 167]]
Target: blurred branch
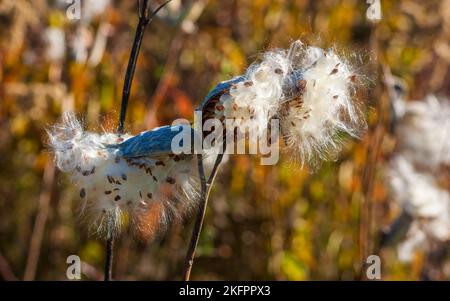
[[187, 26], [5, 270], [40, 221], [90, 271], [397, 231]]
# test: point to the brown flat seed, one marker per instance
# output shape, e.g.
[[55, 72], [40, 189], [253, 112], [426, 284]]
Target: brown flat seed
[[86, 173], [170, 180], [116, 189], [149, 195], [140, 194], [82, 193], [248, 83], [293, 124], [302, 84], [124, 177], [353, 78], [278, 71], [155, 179], [335, 96], [108, 192], [159, 162], [334, 71], [117, 198]]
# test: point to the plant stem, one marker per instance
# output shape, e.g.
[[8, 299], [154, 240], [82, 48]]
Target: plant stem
[[205, 190], [144, 19], [109, 258]]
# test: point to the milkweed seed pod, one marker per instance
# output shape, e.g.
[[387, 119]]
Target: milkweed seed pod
[[310, 90], [418, 173], [423, 131], [122, 178]]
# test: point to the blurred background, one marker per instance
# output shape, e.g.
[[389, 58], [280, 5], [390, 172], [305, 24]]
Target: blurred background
[[277, 222]]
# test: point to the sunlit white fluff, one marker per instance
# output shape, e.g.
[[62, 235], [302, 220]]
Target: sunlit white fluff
[[415, 240], [93, 8], [252, 101], [424, 235], [416, 192], [150, 190], [311, 122], [56, 44], [423, 131], [419, 195]]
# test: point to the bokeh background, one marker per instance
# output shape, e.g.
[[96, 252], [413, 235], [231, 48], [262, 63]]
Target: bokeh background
[[264, 222]]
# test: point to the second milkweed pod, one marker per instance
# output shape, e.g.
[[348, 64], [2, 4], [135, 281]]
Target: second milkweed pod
[[424, 203], [324, 105], [119, 188], [423, 130], [309, 89]]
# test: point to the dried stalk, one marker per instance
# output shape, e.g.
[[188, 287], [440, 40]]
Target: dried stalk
[[144, 19], [109, 258], [205, 191], [6, 272], [376, 134], [40, 221]]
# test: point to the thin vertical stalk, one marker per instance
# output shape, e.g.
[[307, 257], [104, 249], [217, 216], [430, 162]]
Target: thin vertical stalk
[[205, 191], [109, 258], [37, 235], [145, 17]]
